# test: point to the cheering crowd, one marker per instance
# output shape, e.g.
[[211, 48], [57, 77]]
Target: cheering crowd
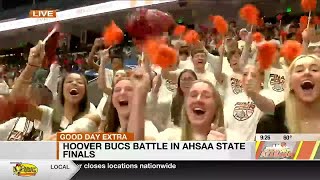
[[240, 83]]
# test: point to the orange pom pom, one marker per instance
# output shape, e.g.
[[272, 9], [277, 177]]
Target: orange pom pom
[[303, 22], [179, 30], [151, 47], [165, 57], [160, 53], [112, 35], [257, 37], [266, 51], [250, 14], [191, 37], [290, 50], [308, 5], [220, 24]]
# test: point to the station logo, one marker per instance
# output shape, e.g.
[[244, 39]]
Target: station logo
[[24, 169], [281, 150], [43, 14]]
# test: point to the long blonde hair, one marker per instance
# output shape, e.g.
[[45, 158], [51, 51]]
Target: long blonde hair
[[292, 112], [218, 118]]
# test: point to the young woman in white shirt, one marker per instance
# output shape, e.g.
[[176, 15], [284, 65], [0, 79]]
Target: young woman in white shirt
[[243, 111], [104, 83], [202, 117], [71, 113], [185, 80], [127, 102]]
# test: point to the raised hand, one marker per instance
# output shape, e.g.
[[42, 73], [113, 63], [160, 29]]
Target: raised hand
[[216, 134], [105, 55], [141, 79], [251, 87], [98, 43], [37, 54]]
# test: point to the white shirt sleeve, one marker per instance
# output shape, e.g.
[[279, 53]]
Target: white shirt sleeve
[[53, 78], [275, 97], [93, 108], [5, 129], [46, 119], [212, 61], [150, 129], [109, 77], [82, 125], [170, 134]]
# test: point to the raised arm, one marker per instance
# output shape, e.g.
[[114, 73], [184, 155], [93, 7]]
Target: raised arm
[[265, 104], [102, 81], [97, 44], [246, 51], [216, 63], [136, 123], [35, 59]]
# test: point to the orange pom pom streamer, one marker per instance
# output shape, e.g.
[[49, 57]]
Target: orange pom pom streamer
[[160, 53], [266, 52], [112, 35], [303, 22], [179, 30], [191, 37], [290, 50], [308, 5], [220, 24], [165, 57], [257, 37], [250, 14]]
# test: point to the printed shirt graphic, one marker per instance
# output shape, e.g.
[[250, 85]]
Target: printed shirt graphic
[[232, 85], [276, 81], [242, 116]]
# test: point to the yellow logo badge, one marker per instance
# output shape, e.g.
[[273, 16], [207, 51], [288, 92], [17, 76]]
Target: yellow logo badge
[[25, 169]]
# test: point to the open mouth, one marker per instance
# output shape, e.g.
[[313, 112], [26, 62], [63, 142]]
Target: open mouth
[[307, 86], [200, 62], [199, 111], [123, 103], [74, 92]]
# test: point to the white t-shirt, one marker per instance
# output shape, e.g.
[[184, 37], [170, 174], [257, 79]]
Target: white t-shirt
[[276, 81], [241, 116], [169, 134], [4, 88], [79, 125], [226, 68], [232, 85], [162, 107], [208, 76], [103, 100], [6, 128], [149, 129]]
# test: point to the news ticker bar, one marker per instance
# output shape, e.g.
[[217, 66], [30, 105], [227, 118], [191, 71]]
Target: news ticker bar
[[267, 150], [287, 137], [83, 170]]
